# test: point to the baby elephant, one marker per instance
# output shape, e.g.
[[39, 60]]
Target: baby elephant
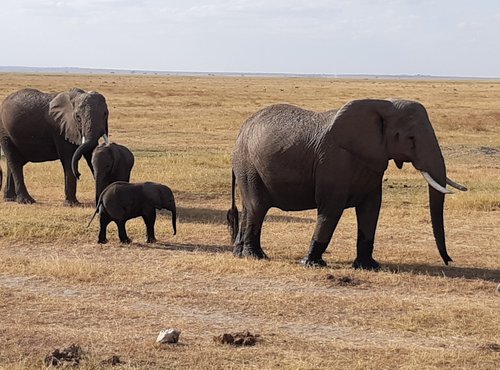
[[121, 201], [111, 162]]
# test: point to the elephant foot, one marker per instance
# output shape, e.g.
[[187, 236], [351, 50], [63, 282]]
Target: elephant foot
[[126, 240], [8, 198], [103, 241], [238, 250], [25, 199], [252, 253], [151, 240], [72, 203], [366, 264], [308, 262]]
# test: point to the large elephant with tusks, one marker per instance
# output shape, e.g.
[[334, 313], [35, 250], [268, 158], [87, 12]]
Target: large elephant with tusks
[[295, 159], [38, 127]]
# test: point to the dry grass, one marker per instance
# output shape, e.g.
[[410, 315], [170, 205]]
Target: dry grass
[[57, 286]]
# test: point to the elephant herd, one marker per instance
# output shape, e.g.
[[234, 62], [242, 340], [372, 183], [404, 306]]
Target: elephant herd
[[284, 157], [39, 127]]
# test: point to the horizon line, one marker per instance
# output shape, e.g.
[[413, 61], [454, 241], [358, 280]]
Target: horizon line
[[126, 71]]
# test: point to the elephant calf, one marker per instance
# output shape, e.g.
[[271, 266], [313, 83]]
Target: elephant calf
[[111, 162], [121, 201]]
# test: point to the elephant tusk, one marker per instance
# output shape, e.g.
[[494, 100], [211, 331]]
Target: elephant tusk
[[106, 139], [434, 183], [83, 139], [456, 185]]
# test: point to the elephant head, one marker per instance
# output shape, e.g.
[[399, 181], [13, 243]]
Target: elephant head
[[83, 118], [375, 131], [161, 197]]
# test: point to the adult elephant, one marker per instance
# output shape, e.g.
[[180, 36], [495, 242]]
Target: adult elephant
[[295, 159], [38, 127]]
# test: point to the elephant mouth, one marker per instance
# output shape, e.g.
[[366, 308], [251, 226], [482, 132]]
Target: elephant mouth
[[104, 136]]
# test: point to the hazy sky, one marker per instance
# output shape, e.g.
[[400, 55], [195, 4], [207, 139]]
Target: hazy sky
[[437, 37]]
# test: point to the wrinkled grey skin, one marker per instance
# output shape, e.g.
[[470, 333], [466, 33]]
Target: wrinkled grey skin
[[111, 162], [39, 127], [294, 159], [121, 201]]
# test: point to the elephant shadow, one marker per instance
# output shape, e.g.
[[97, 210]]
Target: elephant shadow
[[188, 247], [90, 205], [469, 273], [217, 216]]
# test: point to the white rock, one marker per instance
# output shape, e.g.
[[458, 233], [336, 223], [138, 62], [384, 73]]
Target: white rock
[[168, 336]]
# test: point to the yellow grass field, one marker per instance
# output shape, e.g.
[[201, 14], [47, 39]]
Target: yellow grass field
[[59, 287]]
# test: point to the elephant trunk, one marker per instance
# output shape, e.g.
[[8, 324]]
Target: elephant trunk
[[80, 151], [167, 201], [174, 221], [436, 205]]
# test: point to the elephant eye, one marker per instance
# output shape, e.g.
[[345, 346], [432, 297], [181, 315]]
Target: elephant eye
[[78, 118]]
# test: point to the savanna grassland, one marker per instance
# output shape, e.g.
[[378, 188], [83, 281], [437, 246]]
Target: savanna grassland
[[58, 286]]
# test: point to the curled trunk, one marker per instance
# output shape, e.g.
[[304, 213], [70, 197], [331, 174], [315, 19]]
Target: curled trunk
[[88, 146]]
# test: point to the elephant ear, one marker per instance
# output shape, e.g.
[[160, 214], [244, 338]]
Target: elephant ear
[[152, 193], [358, 127], [61, 109]]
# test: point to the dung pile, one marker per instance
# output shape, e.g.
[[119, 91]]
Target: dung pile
[[70, 356], [239, 339]]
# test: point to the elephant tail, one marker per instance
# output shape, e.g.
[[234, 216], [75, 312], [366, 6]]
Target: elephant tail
[[97, 208], [232, 214]]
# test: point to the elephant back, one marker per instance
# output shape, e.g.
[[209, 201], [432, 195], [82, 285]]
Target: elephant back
[[282, 127]]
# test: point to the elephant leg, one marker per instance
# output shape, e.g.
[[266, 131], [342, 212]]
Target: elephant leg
[[253, 228], [22, 195], [100, 185], [9, 194], [122, 233], [325, 226], [256, 202], [15, 165], [149, 220], [238, 242], [69, 184], [367, 216], [104, 222]]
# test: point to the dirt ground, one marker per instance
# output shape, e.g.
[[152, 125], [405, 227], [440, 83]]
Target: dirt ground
[[58, 287]]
